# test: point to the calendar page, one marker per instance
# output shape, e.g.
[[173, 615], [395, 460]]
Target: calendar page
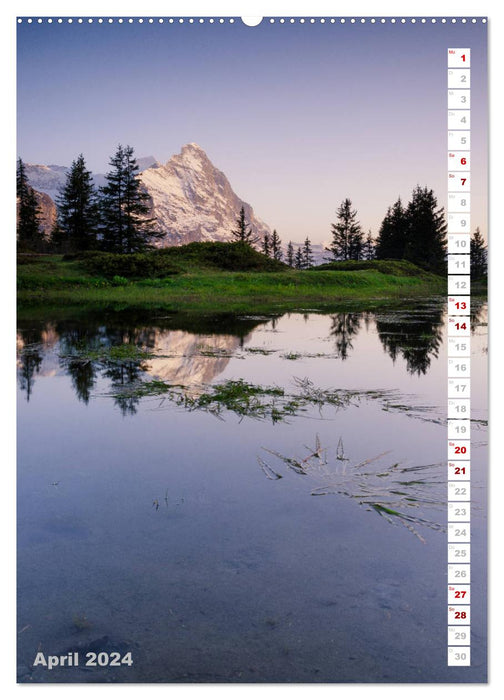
[[252, 348]]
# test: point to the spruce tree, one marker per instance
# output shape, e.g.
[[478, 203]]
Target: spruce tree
[[307, 253], [298, 259], [243, 233], [265, 245], [426, 231], [77, 225], [58, 241], [356, 243], [346, 233], [368, 248], [276, 246], [29, 231], [126, 227], [479, 265], [290, 254], [392, 237]]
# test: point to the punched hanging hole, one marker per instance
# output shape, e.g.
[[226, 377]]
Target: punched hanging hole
[[251, 21]]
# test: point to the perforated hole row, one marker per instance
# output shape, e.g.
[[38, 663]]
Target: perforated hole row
[[232, 20]]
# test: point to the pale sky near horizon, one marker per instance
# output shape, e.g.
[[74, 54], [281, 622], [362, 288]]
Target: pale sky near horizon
[[298, 117]]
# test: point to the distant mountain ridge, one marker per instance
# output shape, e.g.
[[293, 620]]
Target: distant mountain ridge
[[49, 179], [190, 198]]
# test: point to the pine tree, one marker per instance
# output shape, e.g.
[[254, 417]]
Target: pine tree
[[356, 243], [426, 231], [58, 241], [112, 205], [29, 231], [290, 254], [392, 237], [276, 246], [21, 179], [242, 233], [298, 259], [368, 248], [307, 253], [347, 234], [77, 225], [265, 245], [479, 264], [124, 208]]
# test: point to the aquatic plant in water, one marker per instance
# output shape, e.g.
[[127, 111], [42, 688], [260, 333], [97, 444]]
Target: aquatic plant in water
[[399, 493]]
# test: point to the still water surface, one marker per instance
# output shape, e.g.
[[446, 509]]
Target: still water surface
[[193, 534]]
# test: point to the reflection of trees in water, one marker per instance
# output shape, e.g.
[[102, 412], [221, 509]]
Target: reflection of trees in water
[[344, 326], [414, 336], [72, 341], [367, 317], [80, 342], [29, 359], [123, 374], [84, 371], [478, 314], [83, 376]]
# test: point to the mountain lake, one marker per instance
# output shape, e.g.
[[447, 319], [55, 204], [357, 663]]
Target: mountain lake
[[215, 499]]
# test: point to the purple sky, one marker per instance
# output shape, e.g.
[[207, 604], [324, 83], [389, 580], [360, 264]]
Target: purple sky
[[298, 117]]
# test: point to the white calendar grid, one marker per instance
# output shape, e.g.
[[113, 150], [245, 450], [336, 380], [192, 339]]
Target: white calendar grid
[[459, 348]]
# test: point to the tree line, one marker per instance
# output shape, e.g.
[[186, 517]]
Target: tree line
[[415, 232], [113, 218]]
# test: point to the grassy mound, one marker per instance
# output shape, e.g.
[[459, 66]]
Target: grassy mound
[[133, 266], [400, 268], [230, 257]]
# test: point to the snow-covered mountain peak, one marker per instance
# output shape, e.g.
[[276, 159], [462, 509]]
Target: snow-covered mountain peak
[[193, 201], [193, 147]]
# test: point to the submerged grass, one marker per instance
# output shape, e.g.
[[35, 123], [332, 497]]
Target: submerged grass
[[241, 398], [398, 493], [108, 353], [259, 351], [245, 399]]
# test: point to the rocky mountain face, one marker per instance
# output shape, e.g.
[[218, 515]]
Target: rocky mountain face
[[47, 212], [193, 201], [190, 198]]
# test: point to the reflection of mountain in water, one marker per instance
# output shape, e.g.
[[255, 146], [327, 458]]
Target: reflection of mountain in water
[[172, 353], [188, 359], [194, 350]]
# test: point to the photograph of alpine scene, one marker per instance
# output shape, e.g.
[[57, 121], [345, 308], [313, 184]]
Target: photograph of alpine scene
[[232, 351]]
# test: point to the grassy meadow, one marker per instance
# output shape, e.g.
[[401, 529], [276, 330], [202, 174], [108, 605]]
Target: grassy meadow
[[213, 277]]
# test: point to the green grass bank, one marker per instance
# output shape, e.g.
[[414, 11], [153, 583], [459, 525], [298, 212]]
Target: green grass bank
[[204, 277]]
